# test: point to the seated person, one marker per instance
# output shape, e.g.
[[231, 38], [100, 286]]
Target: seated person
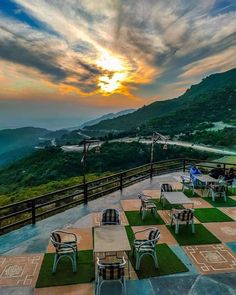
[[194, 171], [216, 172], [230, 176]]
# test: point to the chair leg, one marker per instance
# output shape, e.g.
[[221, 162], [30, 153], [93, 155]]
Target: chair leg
[[124, 285], [143, 214], [176, 227], [138, 261], [54, 268], [155, 259], [193, 227]]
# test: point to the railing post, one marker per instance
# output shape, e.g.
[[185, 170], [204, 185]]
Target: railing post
[[85, 193], [184, 165], [33, 212], [121, 181], [224, 167], [151, 170]]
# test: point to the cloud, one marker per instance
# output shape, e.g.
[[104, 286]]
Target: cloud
[[159, 43]]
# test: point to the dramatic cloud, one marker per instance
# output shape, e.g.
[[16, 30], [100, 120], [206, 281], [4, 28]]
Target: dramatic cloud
[[133, 48]]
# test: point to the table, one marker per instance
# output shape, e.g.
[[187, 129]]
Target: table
[[177, 198], [111, 238], [205, 179]]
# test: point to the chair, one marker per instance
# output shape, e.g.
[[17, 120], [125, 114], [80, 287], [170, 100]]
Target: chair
[[180, 216], [165, 187], [146, 246], [187, 183], [67, 248], [110, 272], [218, 190], [110, 217], [147, 204]]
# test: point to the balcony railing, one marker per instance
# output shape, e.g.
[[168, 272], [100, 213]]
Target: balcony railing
[[31, 210]]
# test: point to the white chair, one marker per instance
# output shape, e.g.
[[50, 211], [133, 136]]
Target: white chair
[[110, 272], [165, 187], [110, 217], [146, 246], [182, 216], [218, 191], [187, 184], [147, 204], [67, 248]]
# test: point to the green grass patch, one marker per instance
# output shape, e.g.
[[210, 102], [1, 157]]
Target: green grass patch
[[219, 202], [189, 194], [167, 205], [200, 237], [64, 274], [211, 215], [135, 218], [130, 234], [168, 262]]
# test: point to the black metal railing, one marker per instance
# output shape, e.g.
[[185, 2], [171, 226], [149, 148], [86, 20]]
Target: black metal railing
[[31, 210]]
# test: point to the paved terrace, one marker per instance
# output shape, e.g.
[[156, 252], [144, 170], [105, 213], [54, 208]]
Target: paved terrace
[[211, 267]]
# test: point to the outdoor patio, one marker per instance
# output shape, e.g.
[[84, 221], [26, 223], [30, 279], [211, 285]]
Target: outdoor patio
[[200, 263]]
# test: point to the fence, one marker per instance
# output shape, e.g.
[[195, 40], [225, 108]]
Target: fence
[[30, 210]]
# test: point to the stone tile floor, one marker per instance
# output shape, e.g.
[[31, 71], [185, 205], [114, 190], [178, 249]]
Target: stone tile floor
[[212, 268]]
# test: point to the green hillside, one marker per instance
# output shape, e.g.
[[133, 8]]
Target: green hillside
[[212, 100]]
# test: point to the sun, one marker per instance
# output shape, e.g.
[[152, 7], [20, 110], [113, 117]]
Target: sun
[[114, 73]]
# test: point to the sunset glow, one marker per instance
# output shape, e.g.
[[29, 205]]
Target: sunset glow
[[132, 52]]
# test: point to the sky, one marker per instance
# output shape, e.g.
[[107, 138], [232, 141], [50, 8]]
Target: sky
[[63, 62]]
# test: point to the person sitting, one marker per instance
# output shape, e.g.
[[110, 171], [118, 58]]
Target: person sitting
[[193, 172], [216, 172], [230, 176]]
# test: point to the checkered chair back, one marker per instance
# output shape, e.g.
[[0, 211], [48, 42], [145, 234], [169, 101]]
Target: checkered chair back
[[111, 271], [110, 216], [166, 187], [154, 235], [184, 215]]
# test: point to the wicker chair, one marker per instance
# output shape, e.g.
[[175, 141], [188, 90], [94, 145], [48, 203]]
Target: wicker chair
[[218, 191], [110, 272], [110, 217], [165, 187], [67, 248], [183, 216], [146, 246], [187, 184], [147, 205]]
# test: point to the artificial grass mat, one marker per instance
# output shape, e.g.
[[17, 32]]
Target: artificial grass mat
[[168, 262], [189, 194], [219, 202], [200, 237], [64, 274], [167, 206], [135, 218], [211, 215]]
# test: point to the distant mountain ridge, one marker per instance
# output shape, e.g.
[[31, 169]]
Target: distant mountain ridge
[[205, 92], [104, 117]]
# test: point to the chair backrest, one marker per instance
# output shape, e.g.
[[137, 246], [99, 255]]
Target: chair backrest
[[111, 271], [110, 216], [185, 215], [219, 188], [154, 236], [166, 187], [55, 239], [186, 179]]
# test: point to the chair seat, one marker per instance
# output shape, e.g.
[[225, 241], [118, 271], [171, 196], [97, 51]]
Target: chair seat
[[150, 206]]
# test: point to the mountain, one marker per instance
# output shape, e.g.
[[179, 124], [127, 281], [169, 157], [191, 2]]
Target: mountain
[[17, 143], [213, 99], [104, 117]]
